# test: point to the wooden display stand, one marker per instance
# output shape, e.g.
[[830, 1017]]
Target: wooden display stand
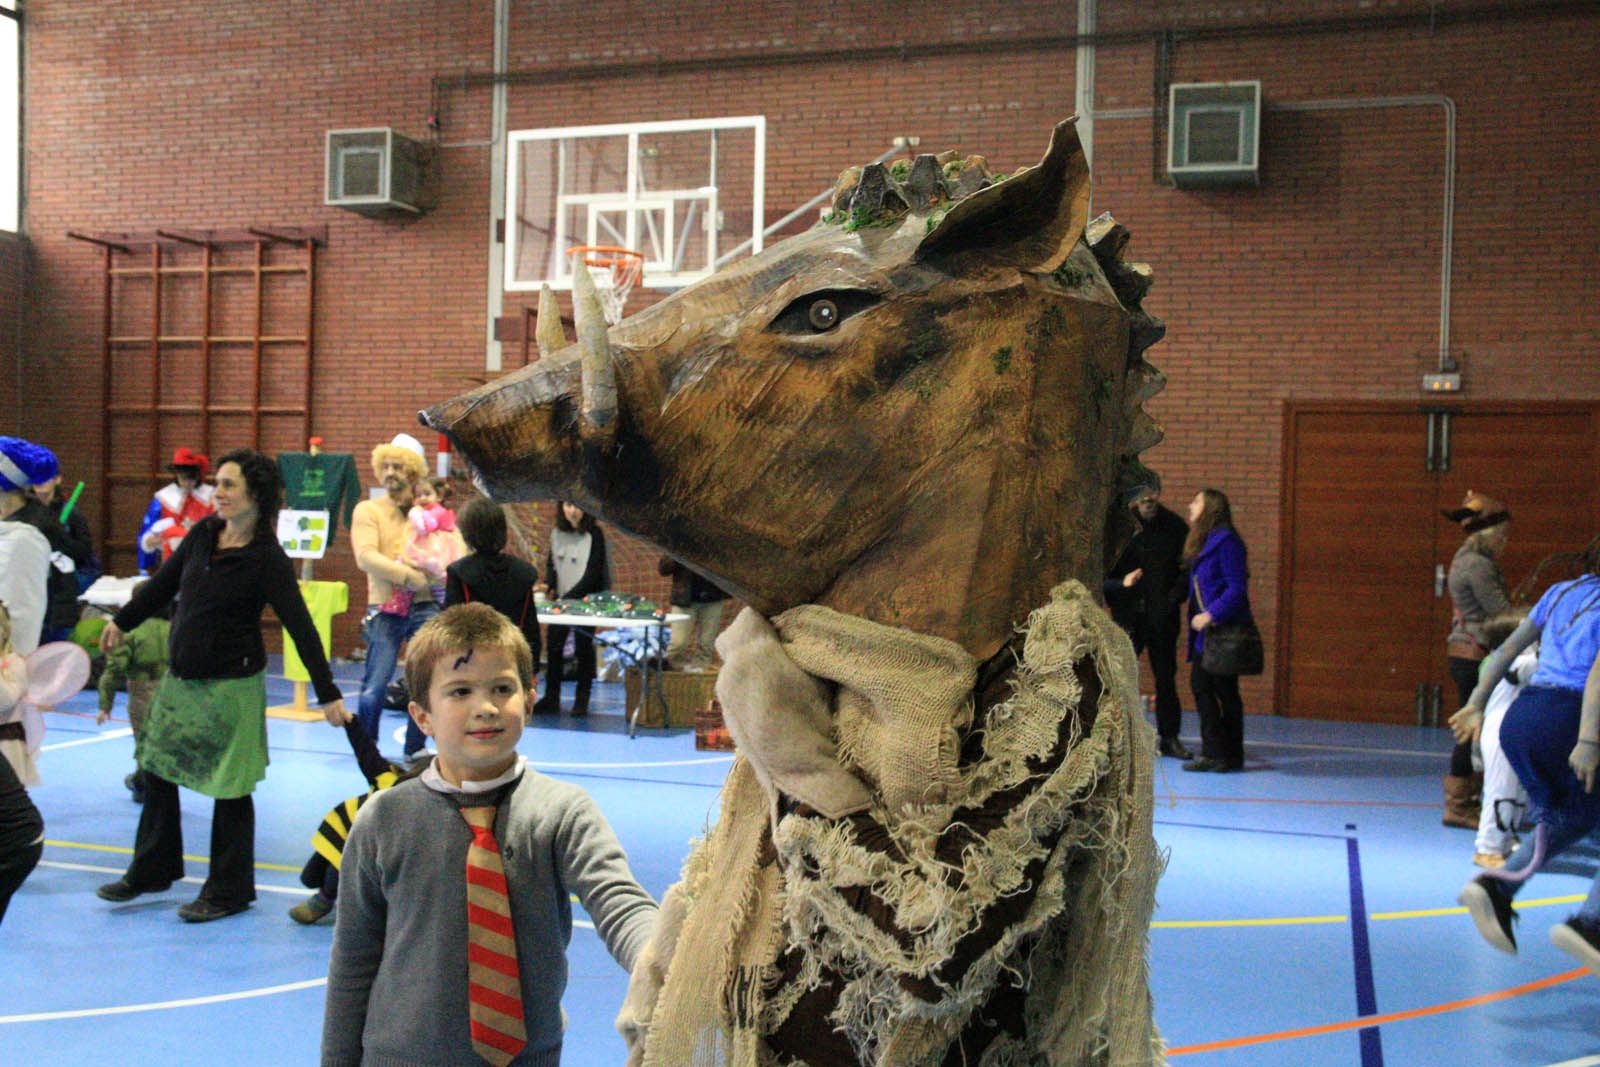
[[710, 732], [685, 693]]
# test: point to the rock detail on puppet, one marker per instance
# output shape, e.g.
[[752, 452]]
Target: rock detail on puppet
[[900, 437]]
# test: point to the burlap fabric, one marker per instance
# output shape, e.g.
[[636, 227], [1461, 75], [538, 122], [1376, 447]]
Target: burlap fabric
[[896, 708]]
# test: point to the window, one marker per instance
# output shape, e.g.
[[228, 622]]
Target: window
[[10, 114]]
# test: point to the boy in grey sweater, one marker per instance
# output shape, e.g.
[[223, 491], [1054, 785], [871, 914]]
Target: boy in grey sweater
[[398, 979]]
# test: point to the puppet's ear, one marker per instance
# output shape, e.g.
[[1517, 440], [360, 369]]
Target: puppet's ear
[[1029, 221]]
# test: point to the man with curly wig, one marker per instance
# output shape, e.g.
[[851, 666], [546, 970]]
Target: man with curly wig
[[377, 531]]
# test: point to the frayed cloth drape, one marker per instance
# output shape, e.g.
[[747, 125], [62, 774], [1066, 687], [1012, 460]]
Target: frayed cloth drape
[[1073, 837]]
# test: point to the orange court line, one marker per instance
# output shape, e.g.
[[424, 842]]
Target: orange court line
[[1378, 1020]]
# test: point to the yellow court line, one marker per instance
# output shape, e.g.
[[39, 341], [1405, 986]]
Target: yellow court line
[[124, 850], [1520, 905], [1303, 920]]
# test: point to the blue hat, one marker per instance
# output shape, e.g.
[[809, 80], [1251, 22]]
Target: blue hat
[[23, 463]]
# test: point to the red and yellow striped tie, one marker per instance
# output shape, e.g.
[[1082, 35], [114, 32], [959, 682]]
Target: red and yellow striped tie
[[494, 991]]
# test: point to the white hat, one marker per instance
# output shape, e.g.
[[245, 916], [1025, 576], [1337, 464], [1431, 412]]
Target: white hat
[[409, 443]]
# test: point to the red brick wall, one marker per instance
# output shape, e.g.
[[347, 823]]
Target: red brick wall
[[1323, 282]]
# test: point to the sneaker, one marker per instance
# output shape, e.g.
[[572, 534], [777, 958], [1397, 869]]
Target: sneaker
[[1489, 861], [135, 785], [1205, 763], [121, 891], [201, 910], [313, 910], [1579, 938], [1489, 903]]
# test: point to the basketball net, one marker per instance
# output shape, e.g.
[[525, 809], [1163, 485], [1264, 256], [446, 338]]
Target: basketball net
[[615, 272]]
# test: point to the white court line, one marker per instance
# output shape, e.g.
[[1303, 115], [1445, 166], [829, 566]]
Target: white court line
[[163, 1005], [297, 891], [109, 735], [1585, 1061]]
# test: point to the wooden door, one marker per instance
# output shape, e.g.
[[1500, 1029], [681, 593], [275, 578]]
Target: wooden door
[[1362, 609], [1357, 552]]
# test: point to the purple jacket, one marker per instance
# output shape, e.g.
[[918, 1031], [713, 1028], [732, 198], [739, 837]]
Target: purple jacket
[[1221, 574]]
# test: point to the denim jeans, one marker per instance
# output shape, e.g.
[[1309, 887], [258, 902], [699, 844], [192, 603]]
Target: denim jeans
[[385, 634]]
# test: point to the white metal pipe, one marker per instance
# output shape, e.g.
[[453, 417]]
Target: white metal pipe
[[1447, 232], [1084, 93], [1357, 103], [498, 208]]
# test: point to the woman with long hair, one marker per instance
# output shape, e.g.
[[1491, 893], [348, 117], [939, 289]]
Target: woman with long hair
[[1551, 738], [1477, 593], [576, 566], [207, 727], [1214, 554]]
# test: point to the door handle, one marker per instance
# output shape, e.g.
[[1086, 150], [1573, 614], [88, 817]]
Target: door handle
[[1438, 581], [1429, 463]]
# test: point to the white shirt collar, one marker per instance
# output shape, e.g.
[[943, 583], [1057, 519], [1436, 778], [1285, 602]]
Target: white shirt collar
[[435, 781]]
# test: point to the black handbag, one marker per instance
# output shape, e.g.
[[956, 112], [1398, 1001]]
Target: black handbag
[[1230, 648]]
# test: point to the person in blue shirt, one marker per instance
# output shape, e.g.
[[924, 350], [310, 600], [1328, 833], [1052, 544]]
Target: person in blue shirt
[[1551, 738]]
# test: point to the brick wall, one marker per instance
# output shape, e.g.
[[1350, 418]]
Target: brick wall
[[1323, 282]]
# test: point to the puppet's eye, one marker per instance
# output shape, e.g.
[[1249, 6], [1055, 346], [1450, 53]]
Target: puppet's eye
[[821, 312], [824, 314]]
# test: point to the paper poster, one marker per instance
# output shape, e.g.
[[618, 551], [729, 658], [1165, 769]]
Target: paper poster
[[303, 534]]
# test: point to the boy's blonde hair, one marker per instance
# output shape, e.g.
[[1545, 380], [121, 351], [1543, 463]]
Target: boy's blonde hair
[[457, 629]]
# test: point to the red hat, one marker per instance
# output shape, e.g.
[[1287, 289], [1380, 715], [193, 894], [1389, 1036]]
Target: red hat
[[187, 457]]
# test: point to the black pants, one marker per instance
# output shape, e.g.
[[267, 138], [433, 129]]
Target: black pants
[[1216, 698], [1162, 650], [14, 870], [158, 845], [556, 653], [1463, 672]]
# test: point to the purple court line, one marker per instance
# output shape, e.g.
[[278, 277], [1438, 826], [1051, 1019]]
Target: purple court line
[[1361, 945]]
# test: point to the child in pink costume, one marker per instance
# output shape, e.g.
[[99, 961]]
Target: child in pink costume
[[432, 543]]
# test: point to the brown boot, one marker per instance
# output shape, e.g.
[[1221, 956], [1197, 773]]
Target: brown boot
[[1460, 802]]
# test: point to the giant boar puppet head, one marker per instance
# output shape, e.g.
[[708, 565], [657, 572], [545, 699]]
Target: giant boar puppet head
[[918, 411]]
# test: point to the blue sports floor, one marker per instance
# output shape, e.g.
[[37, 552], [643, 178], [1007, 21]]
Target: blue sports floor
[[1307, 916]]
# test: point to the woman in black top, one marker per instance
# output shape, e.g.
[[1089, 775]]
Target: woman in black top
[[575, 567], [491, 577], [207, 727]]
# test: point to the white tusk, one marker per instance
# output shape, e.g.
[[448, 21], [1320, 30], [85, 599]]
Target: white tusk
[[599, 376], [549, 332]]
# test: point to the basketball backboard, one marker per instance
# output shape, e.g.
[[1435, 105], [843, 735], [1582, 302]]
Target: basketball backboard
[[688, 194]]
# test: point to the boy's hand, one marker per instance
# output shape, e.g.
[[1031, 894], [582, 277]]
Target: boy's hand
[[101, 716], [1584, 760], [110, 637], [1467, 723], [334, 712]]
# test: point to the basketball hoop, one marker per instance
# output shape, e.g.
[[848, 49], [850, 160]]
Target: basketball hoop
[[615, 271]]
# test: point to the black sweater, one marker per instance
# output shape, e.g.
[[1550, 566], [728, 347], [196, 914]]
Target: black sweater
[[216, 630], [503, 582]]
